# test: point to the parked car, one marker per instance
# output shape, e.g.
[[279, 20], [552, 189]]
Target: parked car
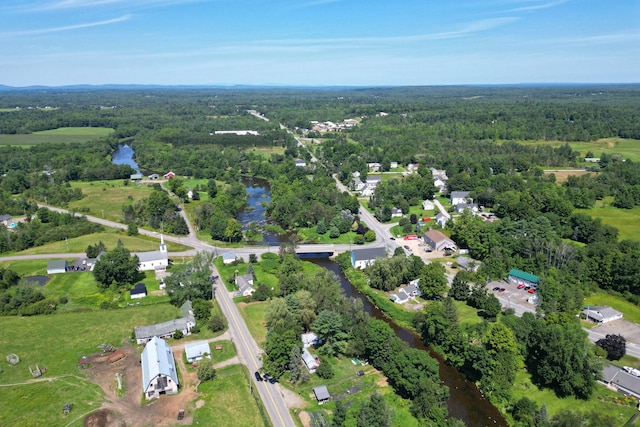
[[406, 247], [526, 288], [258, 376], [502, 290], [497, 288], [532, 291], [520, 286], [392, 238]]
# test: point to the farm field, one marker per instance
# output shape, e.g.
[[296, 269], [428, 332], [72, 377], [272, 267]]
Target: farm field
[[56, 136], [110, 238], [629, 148], [104, 199], [625, 220]]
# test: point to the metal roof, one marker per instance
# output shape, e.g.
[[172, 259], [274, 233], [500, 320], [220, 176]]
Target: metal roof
[[57, 264], [157, 358], [197, 349], [139, 288], [152, 256], [524, 275], [321, 392], [369, 253]]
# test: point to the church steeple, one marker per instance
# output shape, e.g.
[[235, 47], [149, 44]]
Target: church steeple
[[163, 246]]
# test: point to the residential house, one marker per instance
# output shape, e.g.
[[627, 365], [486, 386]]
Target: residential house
[[592, 159], [189, 193], [412, 290], [468, 264], [439, 173], [159, 375], [57, 266], [138, 291], [396, 212], [440, 184], [322, 394], [169, 175], [624, 380], [310, 361], [374, 166], [310, 339], [601, 314], [197, 350], [228, 258], [428, 205], [519, 277], [166, 329], [413, 167], [361, 258], [442, 219], [154, 260], [393, 165], [154, 176], [458, 197], [350, 122], [358, 185], [5, 219], [472, 207], [245, 284], [301, 163], [437, 241]]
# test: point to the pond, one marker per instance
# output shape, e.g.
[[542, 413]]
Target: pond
[[123, 155]]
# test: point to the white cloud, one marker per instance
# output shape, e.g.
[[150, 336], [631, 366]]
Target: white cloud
[[539, 6], [66, 28], [53, 5]]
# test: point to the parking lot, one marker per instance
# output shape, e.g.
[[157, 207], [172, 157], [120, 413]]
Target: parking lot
[[511, 296]]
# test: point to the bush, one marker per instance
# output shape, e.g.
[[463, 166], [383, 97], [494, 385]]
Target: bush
[[177, 335], [206, 371], [63, 300], [325, 370], [217, 323]]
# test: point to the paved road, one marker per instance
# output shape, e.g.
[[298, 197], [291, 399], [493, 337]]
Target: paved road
[[249, 354]]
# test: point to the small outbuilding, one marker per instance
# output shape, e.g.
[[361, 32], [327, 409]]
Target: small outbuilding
[[310, 361], [197, 350], [57, 266], [139, 291], [322, 394]]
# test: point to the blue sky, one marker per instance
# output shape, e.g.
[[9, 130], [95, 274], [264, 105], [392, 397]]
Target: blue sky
[[318, 42]]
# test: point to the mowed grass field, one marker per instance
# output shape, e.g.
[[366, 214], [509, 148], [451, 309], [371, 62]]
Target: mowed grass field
[[629, 148], [56, 136], [625, 220], [104, 199]]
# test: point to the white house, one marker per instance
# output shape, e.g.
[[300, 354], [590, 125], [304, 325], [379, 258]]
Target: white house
[[440, 184], [360, 258], [472, 207], [245, 284], [442, 219], [393, 165], [412, 290], [228, 258], [458, 197], [438, 241], [57, 266], [197, 350], [301, 163], [601, 314], [159, 375], [154, 260], [428, 205], [309, 339], [396, 212], [310, 361]]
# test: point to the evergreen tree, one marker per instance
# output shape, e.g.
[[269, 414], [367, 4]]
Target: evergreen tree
[[295, 364]]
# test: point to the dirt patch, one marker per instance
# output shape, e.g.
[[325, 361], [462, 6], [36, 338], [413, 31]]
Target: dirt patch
[[292, 399], [305, 418], [128, 403]]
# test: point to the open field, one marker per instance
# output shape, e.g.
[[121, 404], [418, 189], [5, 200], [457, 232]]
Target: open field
[[229, 401], [110, 238], [253, 315], [629, 148], [56, 136], [630, 311], [563, 175], [603, 401], [104, 199], [625, 220]]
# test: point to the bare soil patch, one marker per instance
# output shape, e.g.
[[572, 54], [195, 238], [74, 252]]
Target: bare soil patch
[[129, 408], [305, 418]]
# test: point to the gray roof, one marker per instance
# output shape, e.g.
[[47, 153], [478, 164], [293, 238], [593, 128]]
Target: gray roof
[[321, 392], [197, 349], [465, 262], [57, 264], [152, 256], [161, 329], [157, 359], [369, 253], [614, 375], [139, 288], [186, 310], [5, 217], [600, 313], [460, 194], [244, 282]]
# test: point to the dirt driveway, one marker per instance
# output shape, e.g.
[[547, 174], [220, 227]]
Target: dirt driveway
[[128, 410]]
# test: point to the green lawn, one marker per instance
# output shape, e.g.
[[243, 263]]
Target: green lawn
[[253, 315], [110, 238], [58, 341], [467, 315], [631, 311], [104, 199], [72, 135], [629, 148], [229, 401], [625, 220], [603, 400]]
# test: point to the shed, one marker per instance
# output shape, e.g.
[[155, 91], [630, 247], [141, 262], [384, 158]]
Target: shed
[[310, 361], [322, 394], [197, 350], [139, 291], [57, 266]]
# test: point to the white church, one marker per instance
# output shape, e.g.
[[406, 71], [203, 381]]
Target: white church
[[154, 260]]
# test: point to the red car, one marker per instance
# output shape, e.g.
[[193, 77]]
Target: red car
[[520, 286], [532, 291]]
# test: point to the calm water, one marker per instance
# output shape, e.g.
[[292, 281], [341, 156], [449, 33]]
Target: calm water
[[124, 156]]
